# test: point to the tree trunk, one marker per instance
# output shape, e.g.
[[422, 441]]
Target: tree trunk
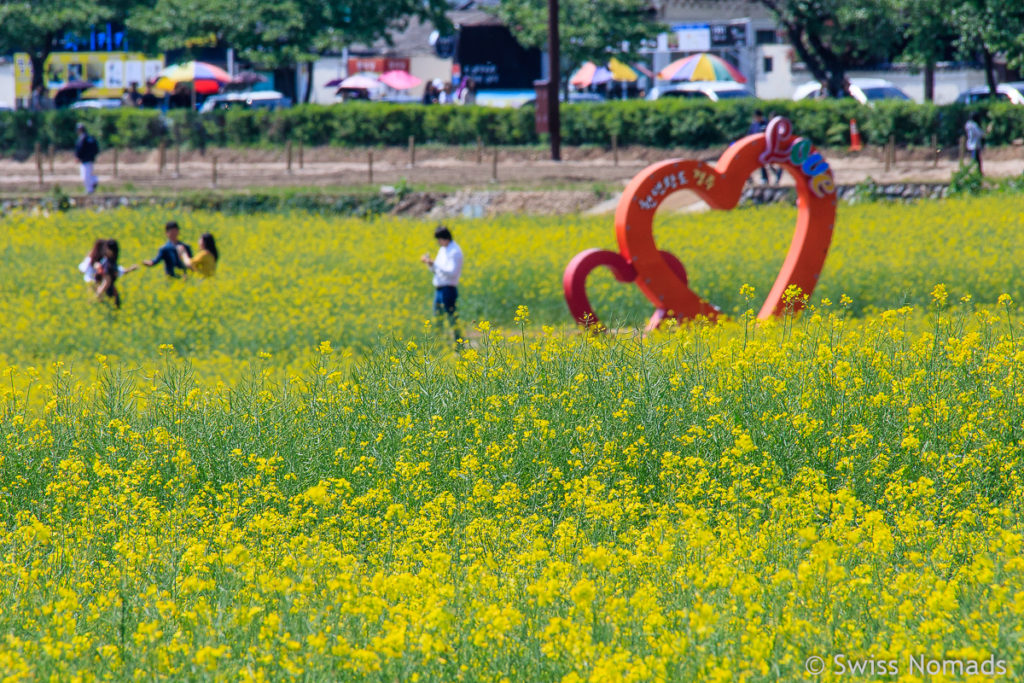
[[929, 81], [309, 82], [39, 58], [812, 61], [990, 72]]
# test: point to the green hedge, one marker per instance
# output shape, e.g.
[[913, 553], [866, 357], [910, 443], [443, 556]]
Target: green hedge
[[666, 123]]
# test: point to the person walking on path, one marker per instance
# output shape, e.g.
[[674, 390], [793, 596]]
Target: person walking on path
[[447, 268], [758, 125], [975, 139], [86, 151], [205, 260], [168, 254]]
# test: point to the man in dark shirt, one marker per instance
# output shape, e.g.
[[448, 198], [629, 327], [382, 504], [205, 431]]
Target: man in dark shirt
[[86, 151], [168, 253], [149, 100]]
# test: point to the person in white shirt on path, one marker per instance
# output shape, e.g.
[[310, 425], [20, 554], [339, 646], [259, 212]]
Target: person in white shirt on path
[[974, 139], [446, 267]]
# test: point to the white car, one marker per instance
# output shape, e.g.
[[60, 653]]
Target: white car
[[258, 99], [864, 90], [101, 103], [702, 90], [1005, 92]]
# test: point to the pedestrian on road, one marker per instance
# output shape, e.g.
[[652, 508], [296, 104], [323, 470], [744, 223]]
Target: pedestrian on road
[[168, 254], [86, 151], [757, 125], [446, 267], [975, 139]]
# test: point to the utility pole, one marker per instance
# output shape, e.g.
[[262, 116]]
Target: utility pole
[[554, 81]]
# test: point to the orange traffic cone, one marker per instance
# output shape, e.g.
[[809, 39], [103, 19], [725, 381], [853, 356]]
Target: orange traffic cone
[[855, 143]]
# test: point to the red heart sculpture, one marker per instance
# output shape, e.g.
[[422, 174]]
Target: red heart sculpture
[[720, 186], [574, 281]]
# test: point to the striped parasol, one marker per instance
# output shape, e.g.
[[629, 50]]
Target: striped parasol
[[592, 74], [206, 79], [701, 67]]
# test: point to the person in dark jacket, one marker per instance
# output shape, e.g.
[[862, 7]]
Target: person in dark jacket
[[86, 151], [168, 254]]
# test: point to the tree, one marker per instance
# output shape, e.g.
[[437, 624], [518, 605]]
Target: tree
[[989, 27], [831, 35], [589, 30], [34, 26], [928, 30]]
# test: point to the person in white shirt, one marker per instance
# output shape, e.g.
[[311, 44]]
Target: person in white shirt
[[446, 267], [974, 139]]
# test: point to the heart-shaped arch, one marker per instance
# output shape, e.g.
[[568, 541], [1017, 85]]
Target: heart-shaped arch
[[721, 186]]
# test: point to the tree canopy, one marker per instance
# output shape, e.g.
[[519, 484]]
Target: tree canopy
[[278, 33], [271, 34], [33, 26], [830, 36], [590, 30]]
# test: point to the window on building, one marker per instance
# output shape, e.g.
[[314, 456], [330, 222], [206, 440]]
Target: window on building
[[768, 65], [766, 36]]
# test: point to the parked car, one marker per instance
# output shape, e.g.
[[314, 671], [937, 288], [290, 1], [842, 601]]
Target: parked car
[[700, 90], [99, 103], [1005, 92], [259, 99], [864, 90]]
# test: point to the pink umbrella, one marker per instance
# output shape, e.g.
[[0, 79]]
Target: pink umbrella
[[399, 79]]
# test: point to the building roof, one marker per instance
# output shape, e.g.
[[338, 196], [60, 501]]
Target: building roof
[[710, 10], [415, 38]]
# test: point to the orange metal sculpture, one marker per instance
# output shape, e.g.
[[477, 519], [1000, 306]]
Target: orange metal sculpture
[[661, 276]]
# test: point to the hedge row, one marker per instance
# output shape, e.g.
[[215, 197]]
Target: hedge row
[[666, 123]]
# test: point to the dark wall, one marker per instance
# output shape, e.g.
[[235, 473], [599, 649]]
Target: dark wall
[[493, 58]]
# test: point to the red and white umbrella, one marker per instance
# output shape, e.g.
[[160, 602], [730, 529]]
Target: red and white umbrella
[[590, 74], [357, 82]]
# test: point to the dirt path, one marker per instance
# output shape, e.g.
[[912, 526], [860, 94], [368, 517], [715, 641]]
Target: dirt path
[[442, 168]]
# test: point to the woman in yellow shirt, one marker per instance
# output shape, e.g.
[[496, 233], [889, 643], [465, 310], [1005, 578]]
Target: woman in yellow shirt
[[205, 261]]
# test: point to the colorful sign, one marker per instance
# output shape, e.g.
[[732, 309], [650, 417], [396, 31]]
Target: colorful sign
[[377, 65], [109, 72], [22, 75], [662, 277]]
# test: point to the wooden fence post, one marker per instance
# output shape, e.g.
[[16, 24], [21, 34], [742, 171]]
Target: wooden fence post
[[615, 149], [369, 167], [962, 150], [288, 155], [412, 151], [935, 151], [300, 154], [52, 153], [115, 161], [494, 167], [162, 157], [39, 162], [213, 170], [479, 150]]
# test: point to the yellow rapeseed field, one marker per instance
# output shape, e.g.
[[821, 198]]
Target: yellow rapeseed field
[[285, 473]]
